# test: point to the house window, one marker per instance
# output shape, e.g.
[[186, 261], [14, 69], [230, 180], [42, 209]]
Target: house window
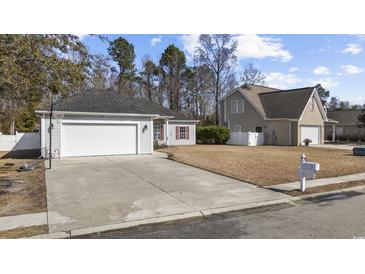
[[237, 106], [312, 104], [182, 131], [157, 132], [236, 128], [258, 129]]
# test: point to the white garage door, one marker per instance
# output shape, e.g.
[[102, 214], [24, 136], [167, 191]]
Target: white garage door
[[98, 139], [311, 133]]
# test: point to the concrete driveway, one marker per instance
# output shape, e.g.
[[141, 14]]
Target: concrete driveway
[[336, 146], [93, 191]]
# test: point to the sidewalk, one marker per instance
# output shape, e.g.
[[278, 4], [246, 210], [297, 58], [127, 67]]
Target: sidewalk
[[318, 182], [11, 222]]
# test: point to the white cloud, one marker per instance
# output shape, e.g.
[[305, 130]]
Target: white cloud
[[281, 80], [249, 46], [326, 82], [155, 41], [254, 46], [81, 36], [352, 49], [350, 69], [293, 69], [321, 70], [190, 42]]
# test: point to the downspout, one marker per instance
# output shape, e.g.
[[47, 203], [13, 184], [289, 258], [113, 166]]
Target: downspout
[[50, 136]]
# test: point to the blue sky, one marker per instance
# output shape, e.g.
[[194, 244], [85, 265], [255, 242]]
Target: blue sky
[[289, 61]]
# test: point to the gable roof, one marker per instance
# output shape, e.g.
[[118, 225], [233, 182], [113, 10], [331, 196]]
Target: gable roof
[[286, 103], [274, 103], [105, 101], [346, 117]]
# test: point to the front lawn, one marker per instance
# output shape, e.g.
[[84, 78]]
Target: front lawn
[[21, 192], [266, 165]]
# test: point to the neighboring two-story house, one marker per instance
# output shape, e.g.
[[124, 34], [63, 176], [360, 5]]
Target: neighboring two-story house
[[285, 117]]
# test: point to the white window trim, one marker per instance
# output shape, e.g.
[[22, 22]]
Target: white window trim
[[237, 126], [184, 132], [237, 106]]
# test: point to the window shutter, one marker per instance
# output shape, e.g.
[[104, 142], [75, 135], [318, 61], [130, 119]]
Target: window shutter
[[162, 137], [177, 137], [187, 133]]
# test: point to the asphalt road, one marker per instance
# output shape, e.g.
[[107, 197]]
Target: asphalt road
[[331, 216]]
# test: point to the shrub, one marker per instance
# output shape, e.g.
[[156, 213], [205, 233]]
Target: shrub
[[307, 141], [212, 134]]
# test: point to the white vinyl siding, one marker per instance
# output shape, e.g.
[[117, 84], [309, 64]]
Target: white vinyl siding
[[173, 141], [237, 106]]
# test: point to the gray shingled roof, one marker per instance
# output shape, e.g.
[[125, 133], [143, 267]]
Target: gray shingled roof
[[346, 117], [110, 102], [285, 103]]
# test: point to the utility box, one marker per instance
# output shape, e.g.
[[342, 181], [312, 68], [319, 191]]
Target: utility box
[[358, 151]]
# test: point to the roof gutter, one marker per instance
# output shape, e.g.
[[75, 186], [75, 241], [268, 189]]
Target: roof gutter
[[281, 119], [98, 113], [191, 121]]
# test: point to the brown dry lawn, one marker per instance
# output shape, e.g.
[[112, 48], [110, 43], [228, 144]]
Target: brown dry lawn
[[266, 165], [24, 232], [21, 192]]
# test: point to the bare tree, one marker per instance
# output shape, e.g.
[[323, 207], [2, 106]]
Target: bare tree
[[252, 76], [198, 89], [100, 73], [148, 77], [217, 51]]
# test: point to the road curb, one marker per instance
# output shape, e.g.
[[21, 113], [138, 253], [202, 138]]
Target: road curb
[[184, 216], [110, 227], [56, 235], [227, 209]]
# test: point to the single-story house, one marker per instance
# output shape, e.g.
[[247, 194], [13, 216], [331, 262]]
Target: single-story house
[[284, 117], [347, 125], [103, 122]]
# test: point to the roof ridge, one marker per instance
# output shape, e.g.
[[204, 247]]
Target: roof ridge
[[261, 86], [284, 90]]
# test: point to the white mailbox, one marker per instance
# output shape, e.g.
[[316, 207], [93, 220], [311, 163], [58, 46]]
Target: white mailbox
[[307, 170], [310, 166]]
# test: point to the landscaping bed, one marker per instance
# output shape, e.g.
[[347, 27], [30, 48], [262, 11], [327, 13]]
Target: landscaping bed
[[21, 192], [266, 165]]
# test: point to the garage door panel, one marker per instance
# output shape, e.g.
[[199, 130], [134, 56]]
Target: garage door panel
[[312, 133], [98, 139]]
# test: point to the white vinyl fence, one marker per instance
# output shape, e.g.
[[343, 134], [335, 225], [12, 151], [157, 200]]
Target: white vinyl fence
[[20, 141], [246, 138]]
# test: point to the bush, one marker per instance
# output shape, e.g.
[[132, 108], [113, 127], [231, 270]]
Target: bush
[[307, 141], [212, 134]]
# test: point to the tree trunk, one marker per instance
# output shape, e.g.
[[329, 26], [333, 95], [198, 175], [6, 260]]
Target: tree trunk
[[216, 100], [12, 127]]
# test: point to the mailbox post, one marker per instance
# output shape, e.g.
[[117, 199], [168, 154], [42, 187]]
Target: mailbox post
[[307, 170]]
